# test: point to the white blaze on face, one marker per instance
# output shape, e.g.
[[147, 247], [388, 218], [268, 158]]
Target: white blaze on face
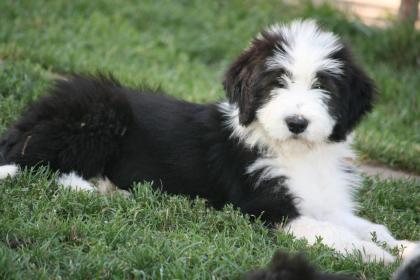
[[306, 52]]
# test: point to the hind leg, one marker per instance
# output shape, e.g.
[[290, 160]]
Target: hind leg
[[70, 180], [103, 186]]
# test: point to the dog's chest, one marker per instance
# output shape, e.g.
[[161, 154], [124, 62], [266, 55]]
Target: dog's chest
[[319, 182]]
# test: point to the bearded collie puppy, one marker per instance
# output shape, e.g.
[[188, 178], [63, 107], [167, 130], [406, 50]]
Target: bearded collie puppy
[[276, 149]]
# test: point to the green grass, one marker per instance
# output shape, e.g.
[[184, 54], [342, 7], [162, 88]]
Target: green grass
[[47, 232], [182, 47]]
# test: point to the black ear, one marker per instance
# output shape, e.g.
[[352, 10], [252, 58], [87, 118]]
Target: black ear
[[363, 93], [238, 83], [357, 93], [248, 81]]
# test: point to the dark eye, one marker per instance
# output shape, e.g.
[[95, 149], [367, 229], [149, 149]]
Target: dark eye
[[317, 85], [281, 83]]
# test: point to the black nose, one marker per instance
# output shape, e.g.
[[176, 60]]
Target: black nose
[[296, 124]]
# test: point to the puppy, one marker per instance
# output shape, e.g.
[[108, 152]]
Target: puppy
[[277, 149]]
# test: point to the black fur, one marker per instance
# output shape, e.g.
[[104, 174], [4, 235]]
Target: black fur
[[410, 270], [353, 95], [285, 267], [78, 127], [247, 82], [98, 128]]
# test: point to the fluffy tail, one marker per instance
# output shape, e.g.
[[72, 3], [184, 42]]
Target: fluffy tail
[[76, 127]]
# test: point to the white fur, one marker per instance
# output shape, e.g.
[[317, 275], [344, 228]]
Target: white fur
[[306, 51], [297, 99], [317, 175], [409, 250], [337, 237], [74, 182], [316, 169], [413, 256], [8, 170]]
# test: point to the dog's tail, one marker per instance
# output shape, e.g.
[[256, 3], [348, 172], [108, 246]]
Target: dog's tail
[[75, 128]]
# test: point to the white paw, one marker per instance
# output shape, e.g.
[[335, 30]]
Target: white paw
[[382, 234], [373, 253], [8, 170], [408, 248], [338, 238], [75, 183]]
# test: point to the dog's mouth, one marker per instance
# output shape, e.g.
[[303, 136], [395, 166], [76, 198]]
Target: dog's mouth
[[300, 139]]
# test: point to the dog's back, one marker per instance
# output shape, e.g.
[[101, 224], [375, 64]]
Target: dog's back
[[95, 127], [74, 128]]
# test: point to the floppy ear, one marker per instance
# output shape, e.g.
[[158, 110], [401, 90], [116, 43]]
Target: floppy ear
[[356, 97], [363, 93], [238, 83], [247, 80]]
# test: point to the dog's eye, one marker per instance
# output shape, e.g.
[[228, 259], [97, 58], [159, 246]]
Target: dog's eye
[[317, 86], [281, 83]]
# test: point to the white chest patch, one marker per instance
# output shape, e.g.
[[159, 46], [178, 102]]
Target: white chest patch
[[317, 177]]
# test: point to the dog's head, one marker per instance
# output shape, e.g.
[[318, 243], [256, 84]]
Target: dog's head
[[298, 82]]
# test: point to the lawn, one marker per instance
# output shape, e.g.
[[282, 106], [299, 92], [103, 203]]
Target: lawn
[[182, 47]]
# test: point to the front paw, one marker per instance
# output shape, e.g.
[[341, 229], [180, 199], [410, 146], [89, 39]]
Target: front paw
[[381, 233], [370, 252], [407, 248]]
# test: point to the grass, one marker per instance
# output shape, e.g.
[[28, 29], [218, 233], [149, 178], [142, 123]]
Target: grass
[[182, 47], [47, 232]]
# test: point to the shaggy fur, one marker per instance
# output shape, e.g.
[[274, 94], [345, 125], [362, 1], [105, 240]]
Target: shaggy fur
[[277, 149], [285, 267]]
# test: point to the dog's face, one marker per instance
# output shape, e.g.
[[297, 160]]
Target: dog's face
[[300, 84]]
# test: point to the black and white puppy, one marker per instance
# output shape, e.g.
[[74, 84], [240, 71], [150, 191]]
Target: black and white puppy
[[276, 149]]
